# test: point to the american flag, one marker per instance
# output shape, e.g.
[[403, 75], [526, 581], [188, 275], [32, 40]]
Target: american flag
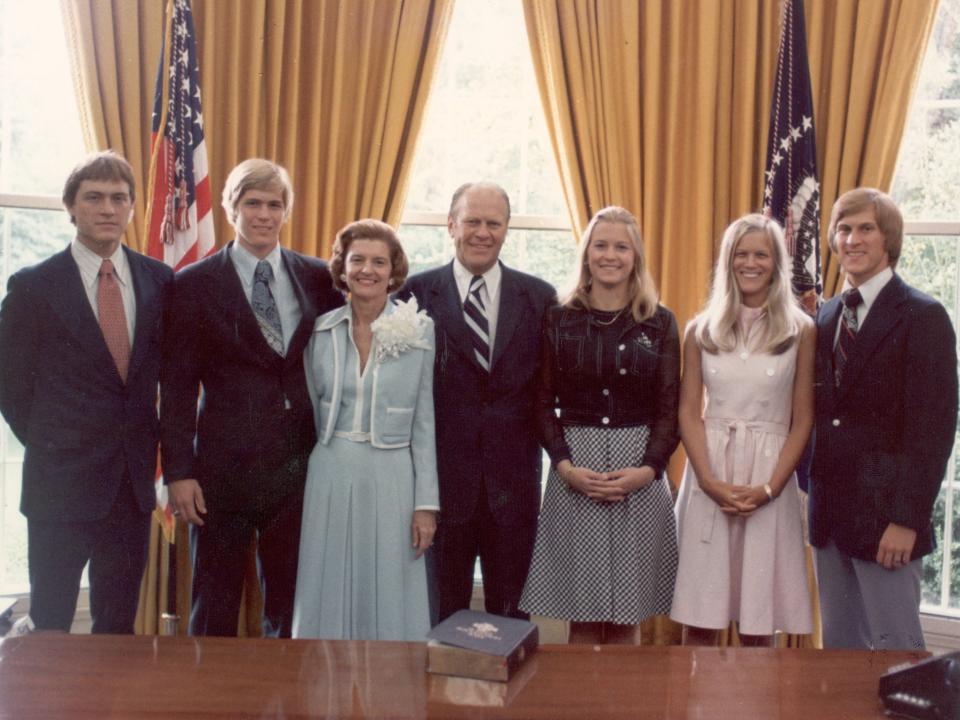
[[791, 193], [179, 218]]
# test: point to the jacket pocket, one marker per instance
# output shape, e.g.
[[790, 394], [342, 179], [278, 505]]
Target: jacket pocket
[[570, 352], [397, 424]]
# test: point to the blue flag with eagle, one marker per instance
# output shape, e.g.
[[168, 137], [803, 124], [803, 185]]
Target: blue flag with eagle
[[791, 192]]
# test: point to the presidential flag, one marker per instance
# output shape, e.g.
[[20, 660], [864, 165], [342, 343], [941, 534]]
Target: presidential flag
[[791, 193], [179, 217]]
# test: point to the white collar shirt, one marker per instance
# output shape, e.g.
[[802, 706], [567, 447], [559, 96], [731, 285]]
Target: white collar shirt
[[89, 264], [491, 295], [288, 307], [869, 292]]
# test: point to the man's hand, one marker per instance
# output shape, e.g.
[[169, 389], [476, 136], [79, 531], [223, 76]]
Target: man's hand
[[186, 499], [896, 546]]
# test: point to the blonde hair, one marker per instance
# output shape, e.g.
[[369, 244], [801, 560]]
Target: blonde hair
[[717, 328], [256, 174], [642, 291]]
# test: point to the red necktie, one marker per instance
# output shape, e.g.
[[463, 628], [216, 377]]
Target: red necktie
[[848, 331], [113, 320]]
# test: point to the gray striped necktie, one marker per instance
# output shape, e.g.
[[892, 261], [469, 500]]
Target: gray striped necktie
[[475, 313]]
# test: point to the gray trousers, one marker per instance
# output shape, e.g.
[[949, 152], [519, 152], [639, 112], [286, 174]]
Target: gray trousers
[[865, 606]]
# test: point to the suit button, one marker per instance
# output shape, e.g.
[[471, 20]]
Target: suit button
[[836, 422], [622, 347], [606, 392], [606, 421], [623, 371]]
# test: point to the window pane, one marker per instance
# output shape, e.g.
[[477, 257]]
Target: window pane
[[426, 246], [548, 254], [955, 554], [930, 263], [484, 120], [928, 173], [40, 137], [29, 236], [26, 237], [13, 532], [933, 563]]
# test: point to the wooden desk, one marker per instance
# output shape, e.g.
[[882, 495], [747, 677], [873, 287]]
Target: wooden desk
[[74, 676]]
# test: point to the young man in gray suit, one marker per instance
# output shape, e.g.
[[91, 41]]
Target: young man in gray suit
[[886, 413], [488, 320]]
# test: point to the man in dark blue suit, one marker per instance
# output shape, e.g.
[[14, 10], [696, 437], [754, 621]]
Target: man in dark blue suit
[[488, 321], [886, 413], [238, 324], [80, 337]]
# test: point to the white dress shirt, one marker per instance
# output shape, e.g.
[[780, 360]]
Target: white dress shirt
[[490, 293], [281, 286], [868, 291], [89, 263]]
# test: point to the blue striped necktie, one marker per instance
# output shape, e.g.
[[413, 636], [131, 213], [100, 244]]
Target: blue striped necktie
[[475, 313], [848, 331]]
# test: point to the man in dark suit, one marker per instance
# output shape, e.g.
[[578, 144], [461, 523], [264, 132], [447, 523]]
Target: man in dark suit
[[80, 338], [886, 415], [238, 324], [488, 324]]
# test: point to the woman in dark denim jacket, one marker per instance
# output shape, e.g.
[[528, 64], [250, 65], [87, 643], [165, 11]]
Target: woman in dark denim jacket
[[606, 550]]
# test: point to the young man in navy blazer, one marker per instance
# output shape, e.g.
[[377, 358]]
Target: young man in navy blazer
[[886, 413], [80, 338], [488, 455], [238, 324]]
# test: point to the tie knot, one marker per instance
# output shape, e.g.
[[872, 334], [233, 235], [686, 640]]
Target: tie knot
[[264, 272], [476, 283], [851, 298], [106, 267]]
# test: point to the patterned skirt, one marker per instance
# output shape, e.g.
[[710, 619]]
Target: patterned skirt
[[598, 561]]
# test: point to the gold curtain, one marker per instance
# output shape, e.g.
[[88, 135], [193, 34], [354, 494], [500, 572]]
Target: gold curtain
[[334, 90], [663, 107]]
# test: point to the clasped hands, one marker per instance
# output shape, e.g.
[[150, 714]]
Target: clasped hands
[[740, 500], [612, 486]]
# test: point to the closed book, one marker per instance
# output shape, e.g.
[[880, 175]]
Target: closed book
[[450, 690], [480, 645]]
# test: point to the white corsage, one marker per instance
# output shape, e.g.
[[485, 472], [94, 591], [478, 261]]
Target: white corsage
[[401, 330]]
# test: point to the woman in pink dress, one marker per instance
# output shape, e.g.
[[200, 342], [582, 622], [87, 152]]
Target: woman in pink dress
[[751, 351]]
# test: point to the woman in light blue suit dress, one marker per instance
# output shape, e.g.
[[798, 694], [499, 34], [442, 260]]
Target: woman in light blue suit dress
[[371, 496]]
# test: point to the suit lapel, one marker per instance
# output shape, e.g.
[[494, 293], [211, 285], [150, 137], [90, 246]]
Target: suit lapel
[[512, 307], [68, 298], [448, 314], [826, 330], [883, 316], [308, 309], [145, 290], [229, 294]]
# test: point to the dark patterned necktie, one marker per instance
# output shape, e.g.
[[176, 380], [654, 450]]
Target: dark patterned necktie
[[113, 319], [848, 331], [265, 307], [475, 313]]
